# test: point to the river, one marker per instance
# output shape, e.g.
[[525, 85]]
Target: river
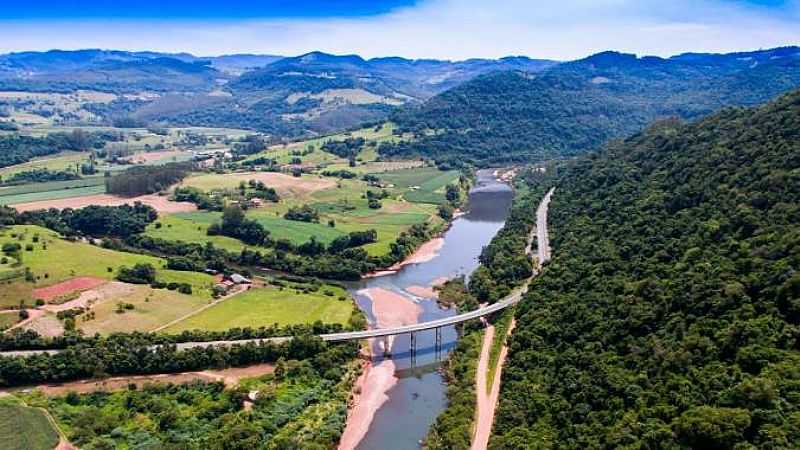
[[418, 396]]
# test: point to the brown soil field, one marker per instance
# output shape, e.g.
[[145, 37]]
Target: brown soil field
[[55, 291], [162, 204], [106, 290]]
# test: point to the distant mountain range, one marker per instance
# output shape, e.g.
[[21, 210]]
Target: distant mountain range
[[315, 92], [485, 111], [576, 106]]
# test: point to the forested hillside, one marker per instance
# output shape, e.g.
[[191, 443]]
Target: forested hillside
[[669, 316], [574, 107]]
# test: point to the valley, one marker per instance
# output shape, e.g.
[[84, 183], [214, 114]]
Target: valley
[[222, 252]]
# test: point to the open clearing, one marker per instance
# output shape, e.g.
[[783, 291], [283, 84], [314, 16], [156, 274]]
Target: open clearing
[[151, 309], [267, 306], [162, 204], [286, 185], [23, 428], [62, 260], [426, 184], [8, 318], [13, 292]]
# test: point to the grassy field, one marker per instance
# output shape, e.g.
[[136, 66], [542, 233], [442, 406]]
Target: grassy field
[[344, 204], [266, 306], [8, 318], [52, 190], [427, 184], [59, 161], [12, 292], [152, 308], [191, 227], [23, 428], [53, 259]]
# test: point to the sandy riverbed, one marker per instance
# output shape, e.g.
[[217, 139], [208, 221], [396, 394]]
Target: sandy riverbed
[[373, 385], [390, 310], [424, 253]]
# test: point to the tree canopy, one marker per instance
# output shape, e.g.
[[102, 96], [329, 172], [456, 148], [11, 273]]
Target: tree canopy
[[669, 315]]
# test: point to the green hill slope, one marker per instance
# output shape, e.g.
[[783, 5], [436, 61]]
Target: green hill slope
[[574, 107], [670, 314]]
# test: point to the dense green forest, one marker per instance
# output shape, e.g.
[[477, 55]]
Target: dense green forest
[[668, 316], [508, 117], [141, 180]]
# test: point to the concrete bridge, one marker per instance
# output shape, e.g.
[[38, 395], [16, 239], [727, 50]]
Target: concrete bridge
[[539, 233]]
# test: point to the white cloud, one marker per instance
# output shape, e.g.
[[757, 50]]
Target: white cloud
[[454, 29]]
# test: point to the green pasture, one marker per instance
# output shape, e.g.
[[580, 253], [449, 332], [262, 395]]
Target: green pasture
[[53, 259], [266, 306]]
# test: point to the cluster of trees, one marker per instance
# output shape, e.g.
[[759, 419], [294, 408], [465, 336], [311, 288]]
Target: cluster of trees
[[668, 316], [249, 145], [98, 221], [132, 354], [262, 191], [234, 224], [142, 180], [142, 273], [17, 149], [353, 239], [508, 117], [348, 148], [40, 176], [198, 197], [341, 173], [303, 213]]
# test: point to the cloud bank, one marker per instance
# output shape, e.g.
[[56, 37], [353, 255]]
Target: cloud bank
[[448, 29]]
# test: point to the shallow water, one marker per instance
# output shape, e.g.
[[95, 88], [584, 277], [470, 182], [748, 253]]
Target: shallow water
[[419, 396]]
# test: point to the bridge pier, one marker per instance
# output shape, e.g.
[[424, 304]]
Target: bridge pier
[[413, 349], [438, 344]]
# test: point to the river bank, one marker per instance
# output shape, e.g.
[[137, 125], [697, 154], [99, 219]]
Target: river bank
[[399, 398]]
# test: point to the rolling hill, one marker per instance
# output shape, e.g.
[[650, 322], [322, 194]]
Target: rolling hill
[[668, 317], [307, 94], [319, 92], [574, 107]]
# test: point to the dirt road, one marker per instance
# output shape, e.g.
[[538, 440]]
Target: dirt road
[[487, 398]]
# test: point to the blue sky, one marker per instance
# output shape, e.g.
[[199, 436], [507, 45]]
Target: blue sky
[[195, 9], [446, 29]]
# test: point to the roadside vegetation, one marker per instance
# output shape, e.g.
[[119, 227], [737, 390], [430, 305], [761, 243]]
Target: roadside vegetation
[[301, 404]]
